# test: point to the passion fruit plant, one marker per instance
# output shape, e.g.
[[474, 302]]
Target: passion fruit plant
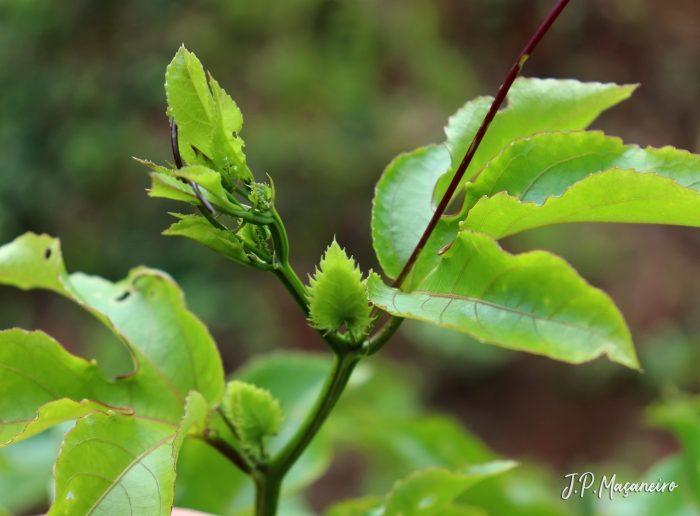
[[536, 166]]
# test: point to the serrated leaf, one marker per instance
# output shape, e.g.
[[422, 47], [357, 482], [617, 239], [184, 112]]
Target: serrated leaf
[[190, 102], [403, 202], [227, 146], [534, 106], [117, 464], [208, 482], [584, 171], [42, 385], [531, 302], [173, 351], [337, 294], [254, 413], [200, 230]]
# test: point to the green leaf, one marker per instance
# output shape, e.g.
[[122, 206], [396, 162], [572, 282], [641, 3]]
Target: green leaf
[[206, 178], [173, 351], [254, 413], [402, 209], [357, 507], [584, 170], [42, 385], [337, 294], [682, 417], [424, 493], [534, 106], [208, 482], [117, 464], [26, 472], [525, 491], [200, 230], [227, 146], [191, 103], [679, 502], [531, 302], [403, 202]]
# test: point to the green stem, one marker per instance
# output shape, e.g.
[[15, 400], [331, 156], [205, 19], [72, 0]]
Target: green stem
[[377, 341], [267, 493], [293, 284], [343, 365]]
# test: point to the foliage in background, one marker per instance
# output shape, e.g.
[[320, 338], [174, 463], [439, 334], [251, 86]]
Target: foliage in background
[[68, 94]]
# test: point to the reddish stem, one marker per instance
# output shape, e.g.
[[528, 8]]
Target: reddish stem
[[495, 106]]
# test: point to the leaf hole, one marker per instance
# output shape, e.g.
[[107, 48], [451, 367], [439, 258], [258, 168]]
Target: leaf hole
[[70, 496], [48, 253], [123, 297]]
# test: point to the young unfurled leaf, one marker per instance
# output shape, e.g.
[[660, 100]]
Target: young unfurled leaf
[[117, 464], [254, 413], [227, 146], [209, 121], [337, 294], [531, 302], [191, 104], [200, 230]]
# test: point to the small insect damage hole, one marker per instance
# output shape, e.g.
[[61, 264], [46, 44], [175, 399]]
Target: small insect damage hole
[[123, 296], [48, 253]]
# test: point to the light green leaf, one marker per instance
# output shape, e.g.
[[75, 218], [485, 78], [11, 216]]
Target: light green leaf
[[254, 413], [534, 106], [531, 302], [403, 203], [208, 482], [173, 351], [584, 170], [424, 493], [337, 294], [682, 417], [206, 178], [679, 502], [227, 146], [26, 478], [357, 507], [42, 385], [191, 104], [402, 210], [168, 186], [117, 464], [200, 230], [525, 491]]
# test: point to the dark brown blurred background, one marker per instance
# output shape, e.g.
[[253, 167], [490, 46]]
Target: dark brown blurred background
[[331, 91]]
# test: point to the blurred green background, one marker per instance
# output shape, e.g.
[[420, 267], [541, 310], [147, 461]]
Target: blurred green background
[[331, 91]]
